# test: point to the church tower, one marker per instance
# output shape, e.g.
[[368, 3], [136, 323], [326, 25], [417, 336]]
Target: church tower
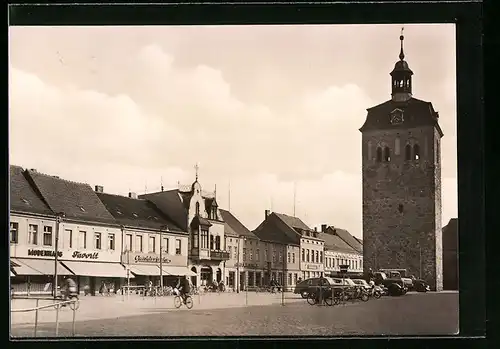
[[401, 169]]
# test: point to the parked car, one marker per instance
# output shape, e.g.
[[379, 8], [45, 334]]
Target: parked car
[[362, 283], [420, 285], [400, 274], [381, 279], [302, 287]]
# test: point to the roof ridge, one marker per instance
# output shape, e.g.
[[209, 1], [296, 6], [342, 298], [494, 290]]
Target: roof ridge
[[36, 172], [122, 196]]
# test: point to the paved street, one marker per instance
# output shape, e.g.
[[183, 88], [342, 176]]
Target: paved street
[[413, 314]]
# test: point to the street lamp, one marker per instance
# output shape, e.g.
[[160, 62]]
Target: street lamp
[[59, 218], [238, 265], [283, 277], [165, 227]]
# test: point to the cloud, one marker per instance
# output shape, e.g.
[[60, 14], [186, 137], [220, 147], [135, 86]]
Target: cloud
[[165, 117]]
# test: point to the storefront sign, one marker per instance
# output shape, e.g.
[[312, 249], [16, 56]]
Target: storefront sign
[[44, 253], [82, 255], [150, 259], [313, 267]]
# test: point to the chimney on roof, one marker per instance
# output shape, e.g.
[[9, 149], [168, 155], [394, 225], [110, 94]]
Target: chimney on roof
[[323, 228], [33, 170], [267, 213], [99, 189], [132, 195]]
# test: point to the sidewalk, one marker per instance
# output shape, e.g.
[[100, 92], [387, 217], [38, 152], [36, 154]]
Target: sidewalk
[[92, 308]]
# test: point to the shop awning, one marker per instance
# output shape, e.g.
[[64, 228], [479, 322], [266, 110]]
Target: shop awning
[[177, 271], [145, 270], [98, 269], [28, 266]]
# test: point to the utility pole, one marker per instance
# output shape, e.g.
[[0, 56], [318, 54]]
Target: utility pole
[[161, 255], [60, 216]]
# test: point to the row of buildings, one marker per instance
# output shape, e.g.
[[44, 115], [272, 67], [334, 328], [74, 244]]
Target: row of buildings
[[114, 239]]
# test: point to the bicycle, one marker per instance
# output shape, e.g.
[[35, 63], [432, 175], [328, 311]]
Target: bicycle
[[73, 305], [312, 299], [178, 302]]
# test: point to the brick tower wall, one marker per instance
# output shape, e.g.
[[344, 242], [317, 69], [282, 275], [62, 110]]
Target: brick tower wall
[[392, 239]]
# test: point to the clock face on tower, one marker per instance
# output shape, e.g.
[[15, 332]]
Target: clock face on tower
[[397, 117]]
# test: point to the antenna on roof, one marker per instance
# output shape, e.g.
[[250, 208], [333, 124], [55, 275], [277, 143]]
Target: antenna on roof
[[161, 183], [229, 196], [294, 196]]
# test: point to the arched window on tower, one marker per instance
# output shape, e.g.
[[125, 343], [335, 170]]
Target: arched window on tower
[[408, 152], [400, 83], [387, 154], [379, 154], [197, 208], [416, 152]]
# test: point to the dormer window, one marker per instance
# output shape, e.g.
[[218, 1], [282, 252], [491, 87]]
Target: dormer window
[[135, 215], [379, 154], [25, 201], [119, 212], [81, 208]]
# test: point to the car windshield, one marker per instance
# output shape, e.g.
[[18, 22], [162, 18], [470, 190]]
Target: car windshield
[[349, 282]]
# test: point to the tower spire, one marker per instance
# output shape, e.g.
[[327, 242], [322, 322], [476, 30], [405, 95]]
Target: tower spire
[[196, 167], [401, 37]]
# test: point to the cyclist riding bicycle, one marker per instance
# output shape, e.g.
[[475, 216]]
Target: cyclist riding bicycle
[[184, 288]]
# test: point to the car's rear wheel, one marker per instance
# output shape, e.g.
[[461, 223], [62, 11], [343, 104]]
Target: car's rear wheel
[[303, 294]]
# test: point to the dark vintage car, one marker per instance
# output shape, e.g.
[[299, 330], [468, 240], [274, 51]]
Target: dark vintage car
[[420, 285], [312, 285], [381, 279]]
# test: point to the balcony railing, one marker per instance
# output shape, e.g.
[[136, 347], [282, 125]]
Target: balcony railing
[[219, 255]]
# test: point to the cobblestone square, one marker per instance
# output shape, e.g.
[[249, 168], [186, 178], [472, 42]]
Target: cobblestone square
[[413, 314]]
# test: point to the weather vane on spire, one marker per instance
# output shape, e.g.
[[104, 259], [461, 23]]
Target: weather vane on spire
[[196, 167], [401, 37]]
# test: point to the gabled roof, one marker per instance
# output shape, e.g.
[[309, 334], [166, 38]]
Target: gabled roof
[[416, 113], [348, 238], [334, 243], [170, 204], [275, 229], [233, 227], [293, 222], [23, 197], [76, 200], [137, 213]]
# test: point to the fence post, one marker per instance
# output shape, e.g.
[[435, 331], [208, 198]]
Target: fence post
[[57, 320], [36, 316], [74, 315]]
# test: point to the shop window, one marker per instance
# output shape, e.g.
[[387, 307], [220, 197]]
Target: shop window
[[138, 244], [111, 242], [68, 233], [33, 234], [14, 232], [97, 241], [83, 239], [177, 247], [152, 244], [128, 242], [47, 236]]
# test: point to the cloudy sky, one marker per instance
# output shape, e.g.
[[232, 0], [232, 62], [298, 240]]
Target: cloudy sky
[[259, 107]]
